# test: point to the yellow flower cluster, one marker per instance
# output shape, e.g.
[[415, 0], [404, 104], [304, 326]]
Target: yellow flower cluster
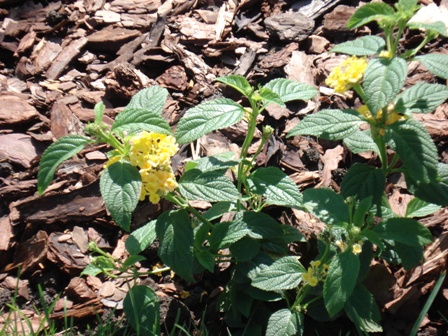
[[392, 115], [349, 73], [357, 248], [315, 273], [151, 153]]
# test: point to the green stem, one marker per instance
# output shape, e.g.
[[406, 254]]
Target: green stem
[[379, 140]]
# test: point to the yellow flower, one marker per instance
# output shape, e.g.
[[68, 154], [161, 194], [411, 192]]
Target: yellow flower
[[385, 54], [151, 153], [349, 73], [357, 248], [310, 278], [341, 244]]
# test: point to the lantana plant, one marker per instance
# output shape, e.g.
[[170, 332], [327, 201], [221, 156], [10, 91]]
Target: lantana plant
[[360, 224]]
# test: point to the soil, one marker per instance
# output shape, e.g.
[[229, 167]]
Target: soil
[[59, 58]]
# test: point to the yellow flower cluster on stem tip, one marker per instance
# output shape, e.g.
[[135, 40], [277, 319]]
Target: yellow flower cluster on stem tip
[[315, 273], [392, 115], [349, 73], [151, 153], [357, 248]]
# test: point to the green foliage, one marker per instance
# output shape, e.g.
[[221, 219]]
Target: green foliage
[[141, 306], [141, 238], [363, 46], [63, 149], [120, 186], [341, 280]]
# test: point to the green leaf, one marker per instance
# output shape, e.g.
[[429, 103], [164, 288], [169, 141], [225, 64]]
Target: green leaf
[[206, 117], [329, 124], [256, 225], [404, 230], [326, 205], [219, 162], [134, 120], [362, 181], [374, 238], [437, 27], [341, 280], [276, 186], [363, 46], [437, 64], [210, 186], [363, 311], [435, 191], [64, 148], [383, 79], [141, 238], [269, 97], [360, 141], [289, 90], [419, 208], [237, 82], [130, 261], [152, 98], [285, 322], [141, 306], [92, 270], [99, 112], [410, 139], [120, 186], [404, 5], [219, 209], [175, 232], [245, 249], [285, 273], [206, 259], [406, 255], [368, 13], [421, 98]]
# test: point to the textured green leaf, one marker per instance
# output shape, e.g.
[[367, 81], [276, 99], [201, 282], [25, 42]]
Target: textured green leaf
[[218, 209], [276, 186], [237, 82], [220, 162], [362, 181], [363, 311], [419, 208], [368, 13], [130, 261], [285, 322], [64, 148], [421, 98], [285, 273], [92, 270], [133, 120], [256, 225], [404, 230], [404, 5], [437, 27], [120, 186], [383, 79], [206, 259], [210, 186], [175, 233], [329, 124], [435, 191], [341, 280], [414, 145], [245, 249], [289, 90], [437, 64], [206, 117], [141, 238], [99, 112], [141, 306], [269, 97], [152, 98], [360, 141], [363, 46], [326, 205]]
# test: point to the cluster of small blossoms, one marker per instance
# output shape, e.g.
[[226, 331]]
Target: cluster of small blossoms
[[349, 73], [392, 115], [315, 273], [151, 153], [356, 248]]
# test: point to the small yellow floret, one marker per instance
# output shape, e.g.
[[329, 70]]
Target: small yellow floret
[[357, 248], [385, 54], [349, 73]]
